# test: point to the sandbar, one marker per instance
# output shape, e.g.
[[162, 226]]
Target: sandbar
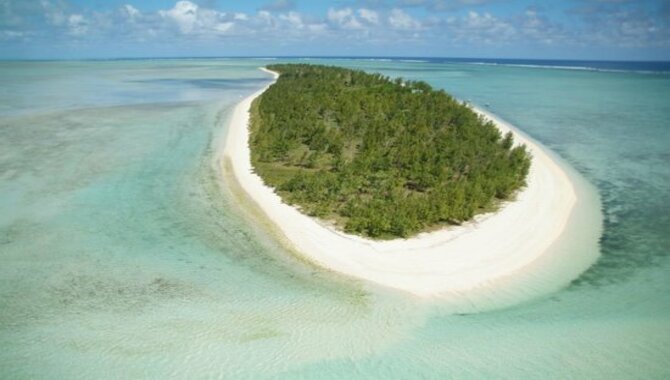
[[451, 260]]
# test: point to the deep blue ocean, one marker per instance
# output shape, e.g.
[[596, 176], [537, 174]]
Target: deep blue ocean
[[122, 256], [611, 66]]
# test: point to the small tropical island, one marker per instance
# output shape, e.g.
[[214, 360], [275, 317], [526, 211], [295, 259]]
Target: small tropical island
[[401, 185], [378, 157]]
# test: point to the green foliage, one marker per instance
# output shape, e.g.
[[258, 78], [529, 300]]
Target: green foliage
[[382, 158]]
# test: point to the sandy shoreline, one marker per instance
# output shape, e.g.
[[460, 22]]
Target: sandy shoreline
[[449, 261]]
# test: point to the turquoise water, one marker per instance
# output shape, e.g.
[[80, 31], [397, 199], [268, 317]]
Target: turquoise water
[[123, 258]]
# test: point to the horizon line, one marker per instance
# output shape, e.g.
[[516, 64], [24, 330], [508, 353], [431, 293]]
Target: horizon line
[[138, 58]]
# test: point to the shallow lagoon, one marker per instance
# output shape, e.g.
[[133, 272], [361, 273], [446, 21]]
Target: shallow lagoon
[[122, 257]]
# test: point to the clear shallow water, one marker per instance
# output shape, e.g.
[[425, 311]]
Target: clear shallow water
[[121, 257]]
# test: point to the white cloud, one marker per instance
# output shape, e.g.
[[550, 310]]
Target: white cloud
[[189, 22], [53, 14], [398, 19], [289, 25], [339, 15], [527, 28], [370, 16], [184, 14], [77, 25], [191, 19], [266, 17], [536, 27], [475, 20], [130, 11], [344, 18], [480, 28], [293, 18], [11, 35], [318, 27], [629, 29]]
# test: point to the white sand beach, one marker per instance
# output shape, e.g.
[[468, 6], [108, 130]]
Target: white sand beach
[[452, 260]]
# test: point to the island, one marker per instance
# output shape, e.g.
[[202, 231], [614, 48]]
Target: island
[[507, 201], [377, 157]]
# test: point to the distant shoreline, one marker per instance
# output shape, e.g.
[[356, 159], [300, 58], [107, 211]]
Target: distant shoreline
[[634, 66], [435, 264]]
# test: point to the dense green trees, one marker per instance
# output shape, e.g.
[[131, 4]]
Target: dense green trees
[[379, 157]]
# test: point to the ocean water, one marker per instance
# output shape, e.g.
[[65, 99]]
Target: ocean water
[[123, 257]]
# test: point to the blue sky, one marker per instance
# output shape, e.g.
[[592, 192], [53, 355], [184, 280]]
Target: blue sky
[[571, 29]]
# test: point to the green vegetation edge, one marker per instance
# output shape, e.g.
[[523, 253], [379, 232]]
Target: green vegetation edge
[[378, 157]]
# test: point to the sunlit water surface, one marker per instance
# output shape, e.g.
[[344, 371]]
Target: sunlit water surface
[[123, 258]]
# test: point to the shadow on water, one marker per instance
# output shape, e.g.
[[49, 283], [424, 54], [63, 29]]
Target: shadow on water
[[634, 238]]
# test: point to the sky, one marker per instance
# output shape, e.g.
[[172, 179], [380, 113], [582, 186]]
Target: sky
[[570, 29]]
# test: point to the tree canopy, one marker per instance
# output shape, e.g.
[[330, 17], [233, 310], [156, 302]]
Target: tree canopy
[[379, 157]]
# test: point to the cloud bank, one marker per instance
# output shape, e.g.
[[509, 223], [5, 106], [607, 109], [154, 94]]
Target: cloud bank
[[424, 25]]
